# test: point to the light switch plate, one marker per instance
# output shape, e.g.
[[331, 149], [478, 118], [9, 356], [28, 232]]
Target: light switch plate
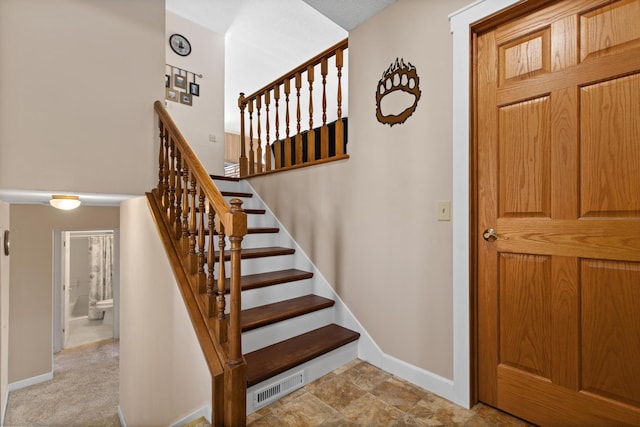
[[444, 210]]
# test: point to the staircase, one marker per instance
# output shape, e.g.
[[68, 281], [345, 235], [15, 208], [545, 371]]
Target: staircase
[[289, 334]]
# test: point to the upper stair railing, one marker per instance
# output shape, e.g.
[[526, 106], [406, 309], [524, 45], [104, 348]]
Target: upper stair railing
[[189, 211], [281, 150]]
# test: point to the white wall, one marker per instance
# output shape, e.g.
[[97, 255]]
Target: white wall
[[4, 310], [369, 223], [163, 374], [205, 116], [78, 81]]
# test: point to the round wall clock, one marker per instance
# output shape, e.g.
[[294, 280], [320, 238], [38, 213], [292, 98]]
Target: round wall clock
[[180, 44]]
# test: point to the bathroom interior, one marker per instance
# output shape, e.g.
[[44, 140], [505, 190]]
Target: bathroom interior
[[90, 308]]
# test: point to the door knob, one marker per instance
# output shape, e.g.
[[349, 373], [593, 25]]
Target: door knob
[[490, 235]]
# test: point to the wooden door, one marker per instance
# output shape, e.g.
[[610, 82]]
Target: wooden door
[[558, 179]]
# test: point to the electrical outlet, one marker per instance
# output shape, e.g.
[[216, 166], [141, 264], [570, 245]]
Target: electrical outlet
[[212, 138], [444, 210]]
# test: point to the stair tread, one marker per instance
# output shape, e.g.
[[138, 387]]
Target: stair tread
[[255, 211], [278, 311], [236, 194], [248, 253], [280, 357], [225, 178], [254, 230], [259, 280]]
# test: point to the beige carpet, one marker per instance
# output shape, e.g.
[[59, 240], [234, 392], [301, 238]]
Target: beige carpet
[[83, 392]]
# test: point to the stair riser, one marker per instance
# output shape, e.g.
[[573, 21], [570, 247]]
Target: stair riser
[[314, 369], [263, 265], [256, 240], [265, 336], [247, 202], [270, 294]]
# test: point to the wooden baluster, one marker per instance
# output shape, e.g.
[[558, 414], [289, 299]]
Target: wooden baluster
[[235, 369], [172, 184], [178, 224], [311, 135], [160, 191], [259, 149], [267, 148], [287, 141], [277, 150], [298, 120], [202, 280], [339, 125], [165, 194], [192, 259], [324, 130], [243, 164], [221, 319], [252, 154], [211, 259], [184, 244]]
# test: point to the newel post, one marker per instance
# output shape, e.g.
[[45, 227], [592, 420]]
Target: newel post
[[244, 164], [235, 370]]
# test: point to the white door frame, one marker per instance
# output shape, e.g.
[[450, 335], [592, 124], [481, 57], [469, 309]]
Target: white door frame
[[59, 300], [461, 22]]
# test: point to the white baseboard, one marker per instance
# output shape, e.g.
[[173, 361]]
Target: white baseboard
[[205, 411], [123, 423], [429, 381], [30, 381]]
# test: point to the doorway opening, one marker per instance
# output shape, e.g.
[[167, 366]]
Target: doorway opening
[[86, 289]]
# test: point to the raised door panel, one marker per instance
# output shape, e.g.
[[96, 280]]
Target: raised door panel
[[608, 29]]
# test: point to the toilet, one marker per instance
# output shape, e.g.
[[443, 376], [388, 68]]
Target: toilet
[[106, 306]]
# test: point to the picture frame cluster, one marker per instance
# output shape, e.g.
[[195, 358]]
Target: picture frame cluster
[[178, 88]]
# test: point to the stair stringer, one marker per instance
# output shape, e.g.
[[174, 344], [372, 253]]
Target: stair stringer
[[367, 349]]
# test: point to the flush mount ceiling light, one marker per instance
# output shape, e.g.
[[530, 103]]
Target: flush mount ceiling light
[[64, 202]]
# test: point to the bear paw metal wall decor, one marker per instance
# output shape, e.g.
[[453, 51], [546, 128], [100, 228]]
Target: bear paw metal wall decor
[[398, 93]]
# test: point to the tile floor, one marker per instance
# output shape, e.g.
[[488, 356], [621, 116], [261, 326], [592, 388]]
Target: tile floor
[[359, 394], [84, 331]]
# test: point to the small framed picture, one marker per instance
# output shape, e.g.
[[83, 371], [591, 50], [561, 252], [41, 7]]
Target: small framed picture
[[194, 89], [185, 98], [180, 81], [172, 95], [167, 80]]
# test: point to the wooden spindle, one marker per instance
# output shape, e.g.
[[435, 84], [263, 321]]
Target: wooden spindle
[[221, 319], [339, 126], [298, 138], [243, 164], [259, 149], [202, 280], [172, 184], [178, 223], [161, 160], [324, 130], [277, 144], [311, 135], [252, 154], [192, 258], [267, 147], [184, 247], [211, 258], [287, 141], [165, 194]]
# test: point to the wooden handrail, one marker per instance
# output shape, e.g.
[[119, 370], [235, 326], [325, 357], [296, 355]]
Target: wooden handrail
[[344, 44], [190, 211], [303, 142]]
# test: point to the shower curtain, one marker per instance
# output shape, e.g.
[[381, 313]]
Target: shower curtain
[[100, 273]]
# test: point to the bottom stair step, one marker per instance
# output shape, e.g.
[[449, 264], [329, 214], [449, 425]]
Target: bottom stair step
[[277, 358]]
